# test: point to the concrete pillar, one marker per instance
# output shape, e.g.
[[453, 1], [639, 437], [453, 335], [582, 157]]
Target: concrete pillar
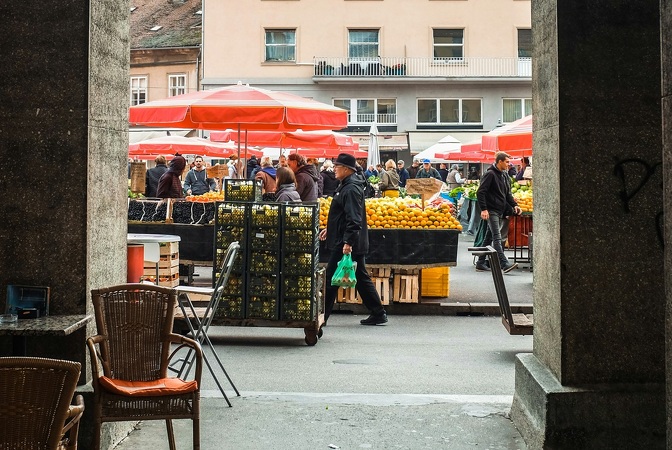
[[666, 61], [63, 145], [596, 378]]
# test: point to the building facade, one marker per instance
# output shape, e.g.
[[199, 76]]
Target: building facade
[[419, 70]]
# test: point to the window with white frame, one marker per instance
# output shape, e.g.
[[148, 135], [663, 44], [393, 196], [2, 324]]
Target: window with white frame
[[363, 44], [280, 45], [177, 84], [370, 110], [450, 111], [448, 44], [138, 90], [515, 108]]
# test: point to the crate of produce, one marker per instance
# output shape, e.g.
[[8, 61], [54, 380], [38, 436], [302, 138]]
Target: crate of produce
[[265, 215], [231, 307], [264, 238], [263, 262], [262, 284], [165, 279], [299, 263], [231, 213], [169, 248], [300, 240], [242, 190], [298, 309], [193, 212], [297, 286], [305, 216], [262, 307], [235, 285], [165, 262], [147, 210]]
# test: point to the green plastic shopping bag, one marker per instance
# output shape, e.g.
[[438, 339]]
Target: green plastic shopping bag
[[344, 276]]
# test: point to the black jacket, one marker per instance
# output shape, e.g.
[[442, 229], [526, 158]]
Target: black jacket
[[152, 178], [330, 183], [346, 223], [306, 182], [494, 192]]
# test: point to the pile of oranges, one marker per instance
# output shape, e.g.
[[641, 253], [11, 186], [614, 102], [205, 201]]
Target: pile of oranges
[[401, 213], [212, 196]]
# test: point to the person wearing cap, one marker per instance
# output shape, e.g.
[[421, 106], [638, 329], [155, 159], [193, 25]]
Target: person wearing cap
[[428, 171], [454, 179], [170, 185], [347, 233], [403, 173]]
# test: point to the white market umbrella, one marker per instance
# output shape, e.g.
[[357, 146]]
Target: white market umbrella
[[435, 153], [373, 157]]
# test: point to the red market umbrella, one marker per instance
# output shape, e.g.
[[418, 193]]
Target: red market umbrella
[[330, 152], [514, 138], [254, 138], [473, 146], [482, 156], [239, 107], [168, 145], [287, 139]]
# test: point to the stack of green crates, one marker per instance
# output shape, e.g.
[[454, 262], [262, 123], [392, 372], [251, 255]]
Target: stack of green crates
[[300, 246], [230, 226], [263, 268]]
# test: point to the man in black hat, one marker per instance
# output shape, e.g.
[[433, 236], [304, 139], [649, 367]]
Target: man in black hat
[[347, 233]]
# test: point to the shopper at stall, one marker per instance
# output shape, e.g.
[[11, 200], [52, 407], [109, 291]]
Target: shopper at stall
[[524, 164], [234, 165], [306, 177], [403, 173], [370, 172], [414, 169], [347, 233], [252, 164], [389, 180], [282, 162], [428, 171], [267, 175], [153, 176], [286, 186], [443, 171], [496, 202], [320, 181], [170, 185], [197, 182], [454, 179], [329, 180]]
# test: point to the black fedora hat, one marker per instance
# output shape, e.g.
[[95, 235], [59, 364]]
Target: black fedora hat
[[346, 160]]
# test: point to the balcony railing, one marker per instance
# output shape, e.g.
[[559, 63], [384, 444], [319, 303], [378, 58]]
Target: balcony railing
[[393, 67]]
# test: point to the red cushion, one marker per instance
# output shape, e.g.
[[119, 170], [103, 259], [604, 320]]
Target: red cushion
[[157, 388]]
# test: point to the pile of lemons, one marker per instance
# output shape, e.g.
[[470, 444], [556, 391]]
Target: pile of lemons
[[525, 200], [406, 213]]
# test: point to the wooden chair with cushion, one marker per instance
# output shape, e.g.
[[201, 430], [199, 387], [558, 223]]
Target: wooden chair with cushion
[[133, 347], [36, 412]]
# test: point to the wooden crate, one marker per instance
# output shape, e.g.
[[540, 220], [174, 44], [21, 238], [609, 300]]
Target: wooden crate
[[163, 272], [406, 288], [350, 295], [165, 262], [169, 280], [380, 272], [169, 248]]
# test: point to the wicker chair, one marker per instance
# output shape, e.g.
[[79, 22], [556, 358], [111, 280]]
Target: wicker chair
[[133, 346], [36, 412]]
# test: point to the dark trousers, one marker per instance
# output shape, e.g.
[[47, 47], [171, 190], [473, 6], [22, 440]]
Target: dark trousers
[[365, 288]]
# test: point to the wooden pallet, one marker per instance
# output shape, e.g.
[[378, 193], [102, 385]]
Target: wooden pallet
[[406, 288], [350, 295]]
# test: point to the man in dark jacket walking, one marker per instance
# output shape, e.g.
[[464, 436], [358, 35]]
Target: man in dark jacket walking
[[153, 176], [496, 202], [306, 177], [347, 233]]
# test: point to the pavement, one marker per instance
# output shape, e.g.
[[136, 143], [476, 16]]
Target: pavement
[[426, 381]]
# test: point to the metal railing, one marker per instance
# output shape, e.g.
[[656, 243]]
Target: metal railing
[[422, 67]]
